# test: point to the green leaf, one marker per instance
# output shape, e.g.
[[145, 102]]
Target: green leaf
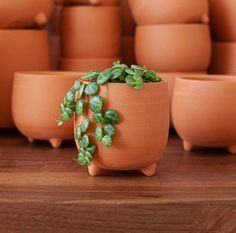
[[151, 76], [109, 130], [107, 141], [130, 71], [103, 78], [88, 155], [78, 133], [81, 90], [81, 144], [70, 96], [79, 107], [91, 89], [91, 75], [83, 159], [84, 125], [65, 116], [111, 117], [135, 80], [69, 112], [62, 107], [76, 85], [98, 118], [70, 105], [85, 140], [116, 73], [138, 68], [91, 149], [96, 104], [98, 133]]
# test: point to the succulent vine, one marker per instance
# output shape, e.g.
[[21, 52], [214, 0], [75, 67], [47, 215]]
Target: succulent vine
[[84, 96]]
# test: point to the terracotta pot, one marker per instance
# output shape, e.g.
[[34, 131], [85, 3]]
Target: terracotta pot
[[55, 52], [203, 111], [174, 48], [223, 58], [93, 2], [84, 36], [20, 50], [86, 65], [141, 138], [56, 20], [40, 94], [25, 13], [127, 50], [170, 78], [223, 20], [169, 11], [127, 21]]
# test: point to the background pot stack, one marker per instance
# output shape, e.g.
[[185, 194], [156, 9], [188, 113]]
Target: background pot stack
[[23, 46], [223, 27], [172, 37], [90, 34]]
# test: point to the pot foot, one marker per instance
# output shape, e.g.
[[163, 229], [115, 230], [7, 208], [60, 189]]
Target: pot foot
[[232, 149], [205, 18], [41, 19], [187, 146], [94, 170], [31, 140], [55, 142], [150, 170]]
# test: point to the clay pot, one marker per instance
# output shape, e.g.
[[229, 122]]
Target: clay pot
[[223, 58], [86, 65], [35, 105], [93, 2], [55, 52], [127, 21], [25, 13], [56, 20], [141, 137], [203, 111], [127, 50], [84, 36], [223, 20], [169, 11], [174, 48], [20, 50]]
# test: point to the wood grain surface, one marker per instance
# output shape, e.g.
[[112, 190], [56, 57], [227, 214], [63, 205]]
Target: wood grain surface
[[43, 190]]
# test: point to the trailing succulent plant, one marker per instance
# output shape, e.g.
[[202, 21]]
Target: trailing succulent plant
[[84, 95]]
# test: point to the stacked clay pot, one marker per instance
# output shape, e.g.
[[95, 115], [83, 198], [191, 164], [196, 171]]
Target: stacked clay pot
[[23, 45], [223, 27], [90, 34], [172, 36]]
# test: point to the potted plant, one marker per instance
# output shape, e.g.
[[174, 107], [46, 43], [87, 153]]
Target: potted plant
[[121, 118]]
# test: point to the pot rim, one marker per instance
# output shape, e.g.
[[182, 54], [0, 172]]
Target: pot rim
[[207, 78], [89, 7], [49, 74], [176, 25]]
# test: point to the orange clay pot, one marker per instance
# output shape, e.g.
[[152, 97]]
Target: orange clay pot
[[203, 111], [127, 50], [55, 52], [141, 135], [127, 21], [169, 11], [84, 36], [86, 65], [20, 50], [174, 48], [223, 20], [93, 2], [35, 105], [25, 13], [223, 58]]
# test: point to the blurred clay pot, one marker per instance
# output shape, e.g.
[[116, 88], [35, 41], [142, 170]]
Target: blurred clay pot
[[87, 64], [36, 102], [127, 50], [127, 21], [90, 31], [141, 138], [223, 20], [93, 2], [223, 58], [25, 13], [203, 111], [169, 11], [20, 50], [174, 48], [56, 20], [55, 52]]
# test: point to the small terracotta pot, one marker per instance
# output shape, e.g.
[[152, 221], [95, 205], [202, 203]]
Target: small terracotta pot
[[169, 11], [20, 50], [25, 13], [35, 105], [55, 52], [93, 2], [84, 36], [127, 50], [223, 20], [127, 21], [86, 65], [174, 48], [223, 59], [203, 111], [141, 137], [56, 20]]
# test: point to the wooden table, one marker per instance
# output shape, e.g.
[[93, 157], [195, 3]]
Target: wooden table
[[43, 190]]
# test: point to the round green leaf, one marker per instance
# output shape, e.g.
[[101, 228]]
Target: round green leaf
[[88, 155], [78, 133], [79, 107], [138, 68], [96, 104], [91, 89], [91, 149], [103, 77], [70, 96], [77, 85], [62, 107], [81, 90], [107, 141], [81, 144], [85, 140], [109, 130], [111, 117], [84, 125], [65, 116], [91, 75], [69, 112], [98, 133], [98, 118]]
